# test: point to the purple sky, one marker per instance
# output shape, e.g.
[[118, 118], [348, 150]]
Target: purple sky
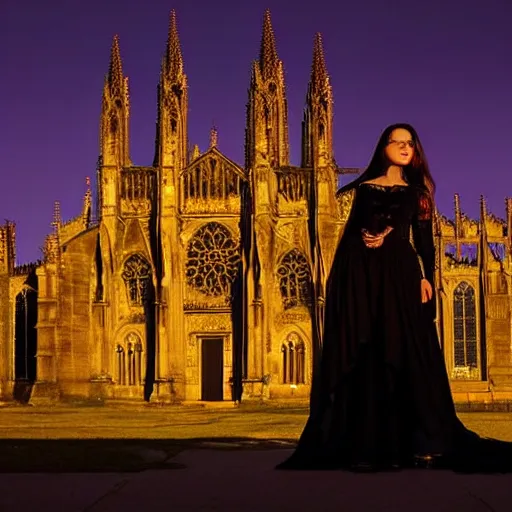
[[443, 65]]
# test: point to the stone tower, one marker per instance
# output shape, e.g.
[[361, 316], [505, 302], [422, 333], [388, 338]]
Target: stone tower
[[170, 161]]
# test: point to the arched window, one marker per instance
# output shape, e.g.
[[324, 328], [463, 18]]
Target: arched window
[[137, 275], [114, 123], [321, 131], [129, 361], [294, 279], [213, 258], [464, 326], [293, 363], [25, 335]]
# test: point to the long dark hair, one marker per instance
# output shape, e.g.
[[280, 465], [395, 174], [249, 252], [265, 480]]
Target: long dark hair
[[416, 173]]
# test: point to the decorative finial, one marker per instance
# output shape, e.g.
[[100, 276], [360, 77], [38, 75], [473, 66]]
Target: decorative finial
[[195, 152], [87, 207], [214, 136], [509, 223], [458, 226], [456, 201]]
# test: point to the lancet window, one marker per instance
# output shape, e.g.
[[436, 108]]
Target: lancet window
[[293, 362], [293, 185], [213, 256], [129, 361], [465, 326], [294, 279], [137, 184], [114, 124], [211, 179], [136, 275]]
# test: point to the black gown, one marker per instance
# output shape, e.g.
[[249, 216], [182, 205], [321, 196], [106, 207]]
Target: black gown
[[380, 395]]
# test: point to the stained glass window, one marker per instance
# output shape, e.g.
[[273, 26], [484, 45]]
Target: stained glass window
[[137, 275], [464, 326], [294, 279], [213, 256]]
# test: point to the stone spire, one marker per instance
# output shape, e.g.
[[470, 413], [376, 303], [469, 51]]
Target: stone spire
[[114, 136], [173, 60], [171, 144], [319, 75], [269, 61], [267, 110], [317, 141], [115, 77]]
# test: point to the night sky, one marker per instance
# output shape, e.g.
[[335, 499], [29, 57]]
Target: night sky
[[443, 65]]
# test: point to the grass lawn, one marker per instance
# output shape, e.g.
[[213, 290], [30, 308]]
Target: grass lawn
[[134, 438]]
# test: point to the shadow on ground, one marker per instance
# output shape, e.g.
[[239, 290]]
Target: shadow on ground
[[112, 455]]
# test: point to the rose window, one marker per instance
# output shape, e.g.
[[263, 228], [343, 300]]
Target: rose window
[[213, 257]]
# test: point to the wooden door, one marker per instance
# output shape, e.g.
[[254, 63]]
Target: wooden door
[[212, 369]]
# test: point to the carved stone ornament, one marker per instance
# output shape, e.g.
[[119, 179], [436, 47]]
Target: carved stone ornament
[[345, 203], [208, 323], [286, 232], [290, 317]]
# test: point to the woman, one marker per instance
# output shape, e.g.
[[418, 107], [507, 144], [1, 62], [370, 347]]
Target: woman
[[381, 397]]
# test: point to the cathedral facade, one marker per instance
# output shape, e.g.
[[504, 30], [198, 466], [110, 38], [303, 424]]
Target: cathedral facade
[[199, 279]]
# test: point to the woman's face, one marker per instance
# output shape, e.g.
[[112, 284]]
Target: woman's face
[[400, 148]]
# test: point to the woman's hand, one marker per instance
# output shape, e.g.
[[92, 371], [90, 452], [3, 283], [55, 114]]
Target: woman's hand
[[426, 291]]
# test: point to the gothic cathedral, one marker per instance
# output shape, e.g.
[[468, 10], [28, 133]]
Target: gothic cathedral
[[200, 279]]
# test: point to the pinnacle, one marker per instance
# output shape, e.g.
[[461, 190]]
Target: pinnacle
[[115, 72], [173, 57], [214, 137], [268, 51], [319, 73], [483, 206]]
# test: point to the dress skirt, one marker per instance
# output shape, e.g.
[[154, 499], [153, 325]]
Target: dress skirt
[[381, 395]]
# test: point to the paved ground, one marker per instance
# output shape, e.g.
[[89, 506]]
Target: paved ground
[[244, 481]]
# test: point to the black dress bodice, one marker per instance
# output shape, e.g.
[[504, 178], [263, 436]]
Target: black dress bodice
[[401, 207], [377, 207]]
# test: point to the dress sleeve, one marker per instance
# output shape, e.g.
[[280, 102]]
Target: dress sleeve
[[423, 235]]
